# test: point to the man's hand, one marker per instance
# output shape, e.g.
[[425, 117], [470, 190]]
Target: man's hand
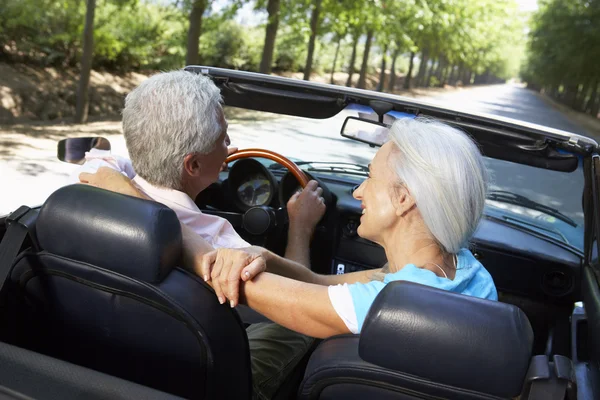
[[225, 268], [110, 179], [306, 208], [230, 151]]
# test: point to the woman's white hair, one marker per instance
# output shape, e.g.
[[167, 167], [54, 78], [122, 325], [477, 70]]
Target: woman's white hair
[[168, 116], [443, 170]]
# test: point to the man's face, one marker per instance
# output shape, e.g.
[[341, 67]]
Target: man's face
[[212, 162]]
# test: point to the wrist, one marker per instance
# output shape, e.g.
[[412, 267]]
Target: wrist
[[300, 231]]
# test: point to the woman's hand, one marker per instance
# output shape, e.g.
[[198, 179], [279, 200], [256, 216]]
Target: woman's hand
[[224, 269], [110, 179]]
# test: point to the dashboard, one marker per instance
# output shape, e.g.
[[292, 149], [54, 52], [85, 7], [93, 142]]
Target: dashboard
[[519, 262]]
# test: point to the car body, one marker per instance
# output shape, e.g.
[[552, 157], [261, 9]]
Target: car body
[[542, 260]]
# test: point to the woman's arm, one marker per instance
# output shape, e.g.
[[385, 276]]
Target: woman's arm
[[299, 306]]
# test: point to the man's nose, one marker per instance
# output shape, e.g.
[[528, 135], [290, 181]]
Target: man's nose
[[227, 140]]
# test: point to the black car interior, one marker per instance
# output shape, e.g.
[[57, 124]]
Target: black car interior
[[98, 288]]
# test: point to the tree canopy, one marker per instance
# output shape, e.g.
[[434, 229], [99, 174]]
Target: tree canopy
[[563, 52], [442, 41]]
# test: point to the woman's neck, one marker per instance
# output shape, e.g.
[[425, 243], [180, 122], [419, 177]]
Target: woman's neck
[[416, 247]]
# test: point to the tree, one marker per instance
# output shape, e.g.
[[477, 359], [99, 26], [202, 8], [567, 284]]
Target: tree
[[355, 37], [314, 26], [82, 105], [362, 79], [563, 50], [273, 9], [335, 57], [195, 27]]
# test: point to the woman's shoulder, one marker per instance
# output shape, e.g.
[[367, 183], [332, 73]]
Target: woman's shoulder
[[479, 281]]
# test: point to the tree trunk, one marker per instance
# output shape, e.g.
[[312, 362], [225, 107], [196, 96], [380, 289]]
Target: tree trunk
[[410, 71], [352, 60], [460, 75], [445, 74], [82, 105], [554, 92], [581, 96], [362, 79], [381, 84], [595, 103], [314, 26], [570, 95], [270, 34], [430, 73], [193, 39], [592, 99], [438, 69], [337, 51], [452, 76], [392, 84], [422, 68]]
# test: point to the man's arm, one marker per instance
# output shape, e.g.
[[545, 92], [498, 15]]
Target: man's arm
[[294, 270], [305, 210]]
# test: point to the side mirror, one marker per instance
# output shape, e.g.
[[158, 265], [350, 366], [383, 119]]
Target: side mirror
[[72, 150], [366, 131]]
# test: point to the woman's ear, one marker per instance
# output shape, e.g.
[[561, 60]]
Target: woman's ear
[[404, 201]]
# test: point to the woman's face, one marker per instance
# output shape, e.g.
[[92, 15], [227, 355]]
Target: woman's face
[[379, 204]]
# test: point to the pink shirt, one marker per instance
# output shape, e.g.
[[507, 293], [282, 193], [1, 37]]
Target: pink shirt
[[215, 230]]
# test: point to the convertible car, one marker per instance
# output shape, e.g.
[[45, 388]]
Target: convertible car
[[95, 304]]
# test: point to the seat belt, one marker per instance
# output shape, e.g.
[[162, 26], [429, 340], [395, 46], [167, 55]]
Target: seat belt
[[550, 381], [19, 224]]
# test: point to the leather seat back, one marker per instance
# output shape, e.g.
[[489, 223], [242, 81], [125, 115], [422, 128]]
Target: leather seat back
[[104, 291], [419, 342]]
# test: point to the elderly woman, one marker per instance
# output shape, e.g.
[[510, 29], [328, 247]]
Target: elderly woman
[[421, 202]]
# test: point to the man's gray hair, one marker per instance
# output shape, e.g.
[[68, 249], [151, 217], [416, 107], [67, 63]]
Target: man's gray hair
[[168, 116], [444, 171]]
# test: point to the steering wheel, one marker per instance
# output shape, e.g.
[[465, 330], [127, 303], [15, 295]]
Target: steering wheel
[[263, 221], [271, 155]]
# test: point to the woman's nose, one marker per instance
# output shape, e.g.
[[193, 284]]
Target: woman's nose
[[357, 194]]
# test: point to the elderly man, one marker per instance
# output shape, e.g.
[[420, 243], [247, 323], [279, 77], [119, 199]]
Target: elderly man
[[176, 135]]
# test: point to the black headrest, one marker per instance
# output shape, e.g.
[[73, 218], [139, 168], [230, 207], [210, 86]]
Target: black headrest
[[134, 237], [448, 338]]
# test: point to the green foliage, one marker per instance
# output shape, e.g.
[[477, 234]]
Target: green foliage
[[482, 36], [231, 45], [564, 46]]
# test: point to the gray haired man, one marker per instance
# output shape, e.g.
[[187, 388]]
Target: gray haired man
[[176, 134]]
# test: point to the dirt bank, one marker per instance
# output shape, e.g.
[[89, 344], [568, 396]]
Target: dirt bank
[[45, 94], [34, 94]]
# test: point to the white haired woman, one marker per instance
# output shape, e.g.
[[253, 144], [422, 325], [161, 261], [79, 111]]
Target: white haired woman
[[422, 201]]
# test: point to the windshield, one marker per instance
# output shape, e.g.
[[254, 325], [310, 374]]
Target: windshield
[[35, 177], [548, 202]]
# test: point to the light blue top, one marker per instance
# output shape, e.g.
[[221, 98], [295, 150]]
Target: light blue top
[[471, 279]]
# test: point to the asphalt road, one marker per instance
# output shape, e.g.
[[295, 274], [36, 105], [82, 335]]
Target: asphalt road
[[29, 170]]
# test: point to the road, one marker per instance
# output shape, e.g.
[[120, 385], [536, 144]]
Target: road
[[29, 169]]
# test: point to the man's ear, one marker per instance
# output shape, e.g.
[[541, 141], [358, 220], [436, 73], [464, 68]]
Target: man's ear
[[192, 165], [403, 200]]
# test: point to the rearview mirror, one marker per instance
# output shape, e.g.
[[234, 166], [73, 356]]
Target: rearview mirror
[[72, 150], [366, 131]]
